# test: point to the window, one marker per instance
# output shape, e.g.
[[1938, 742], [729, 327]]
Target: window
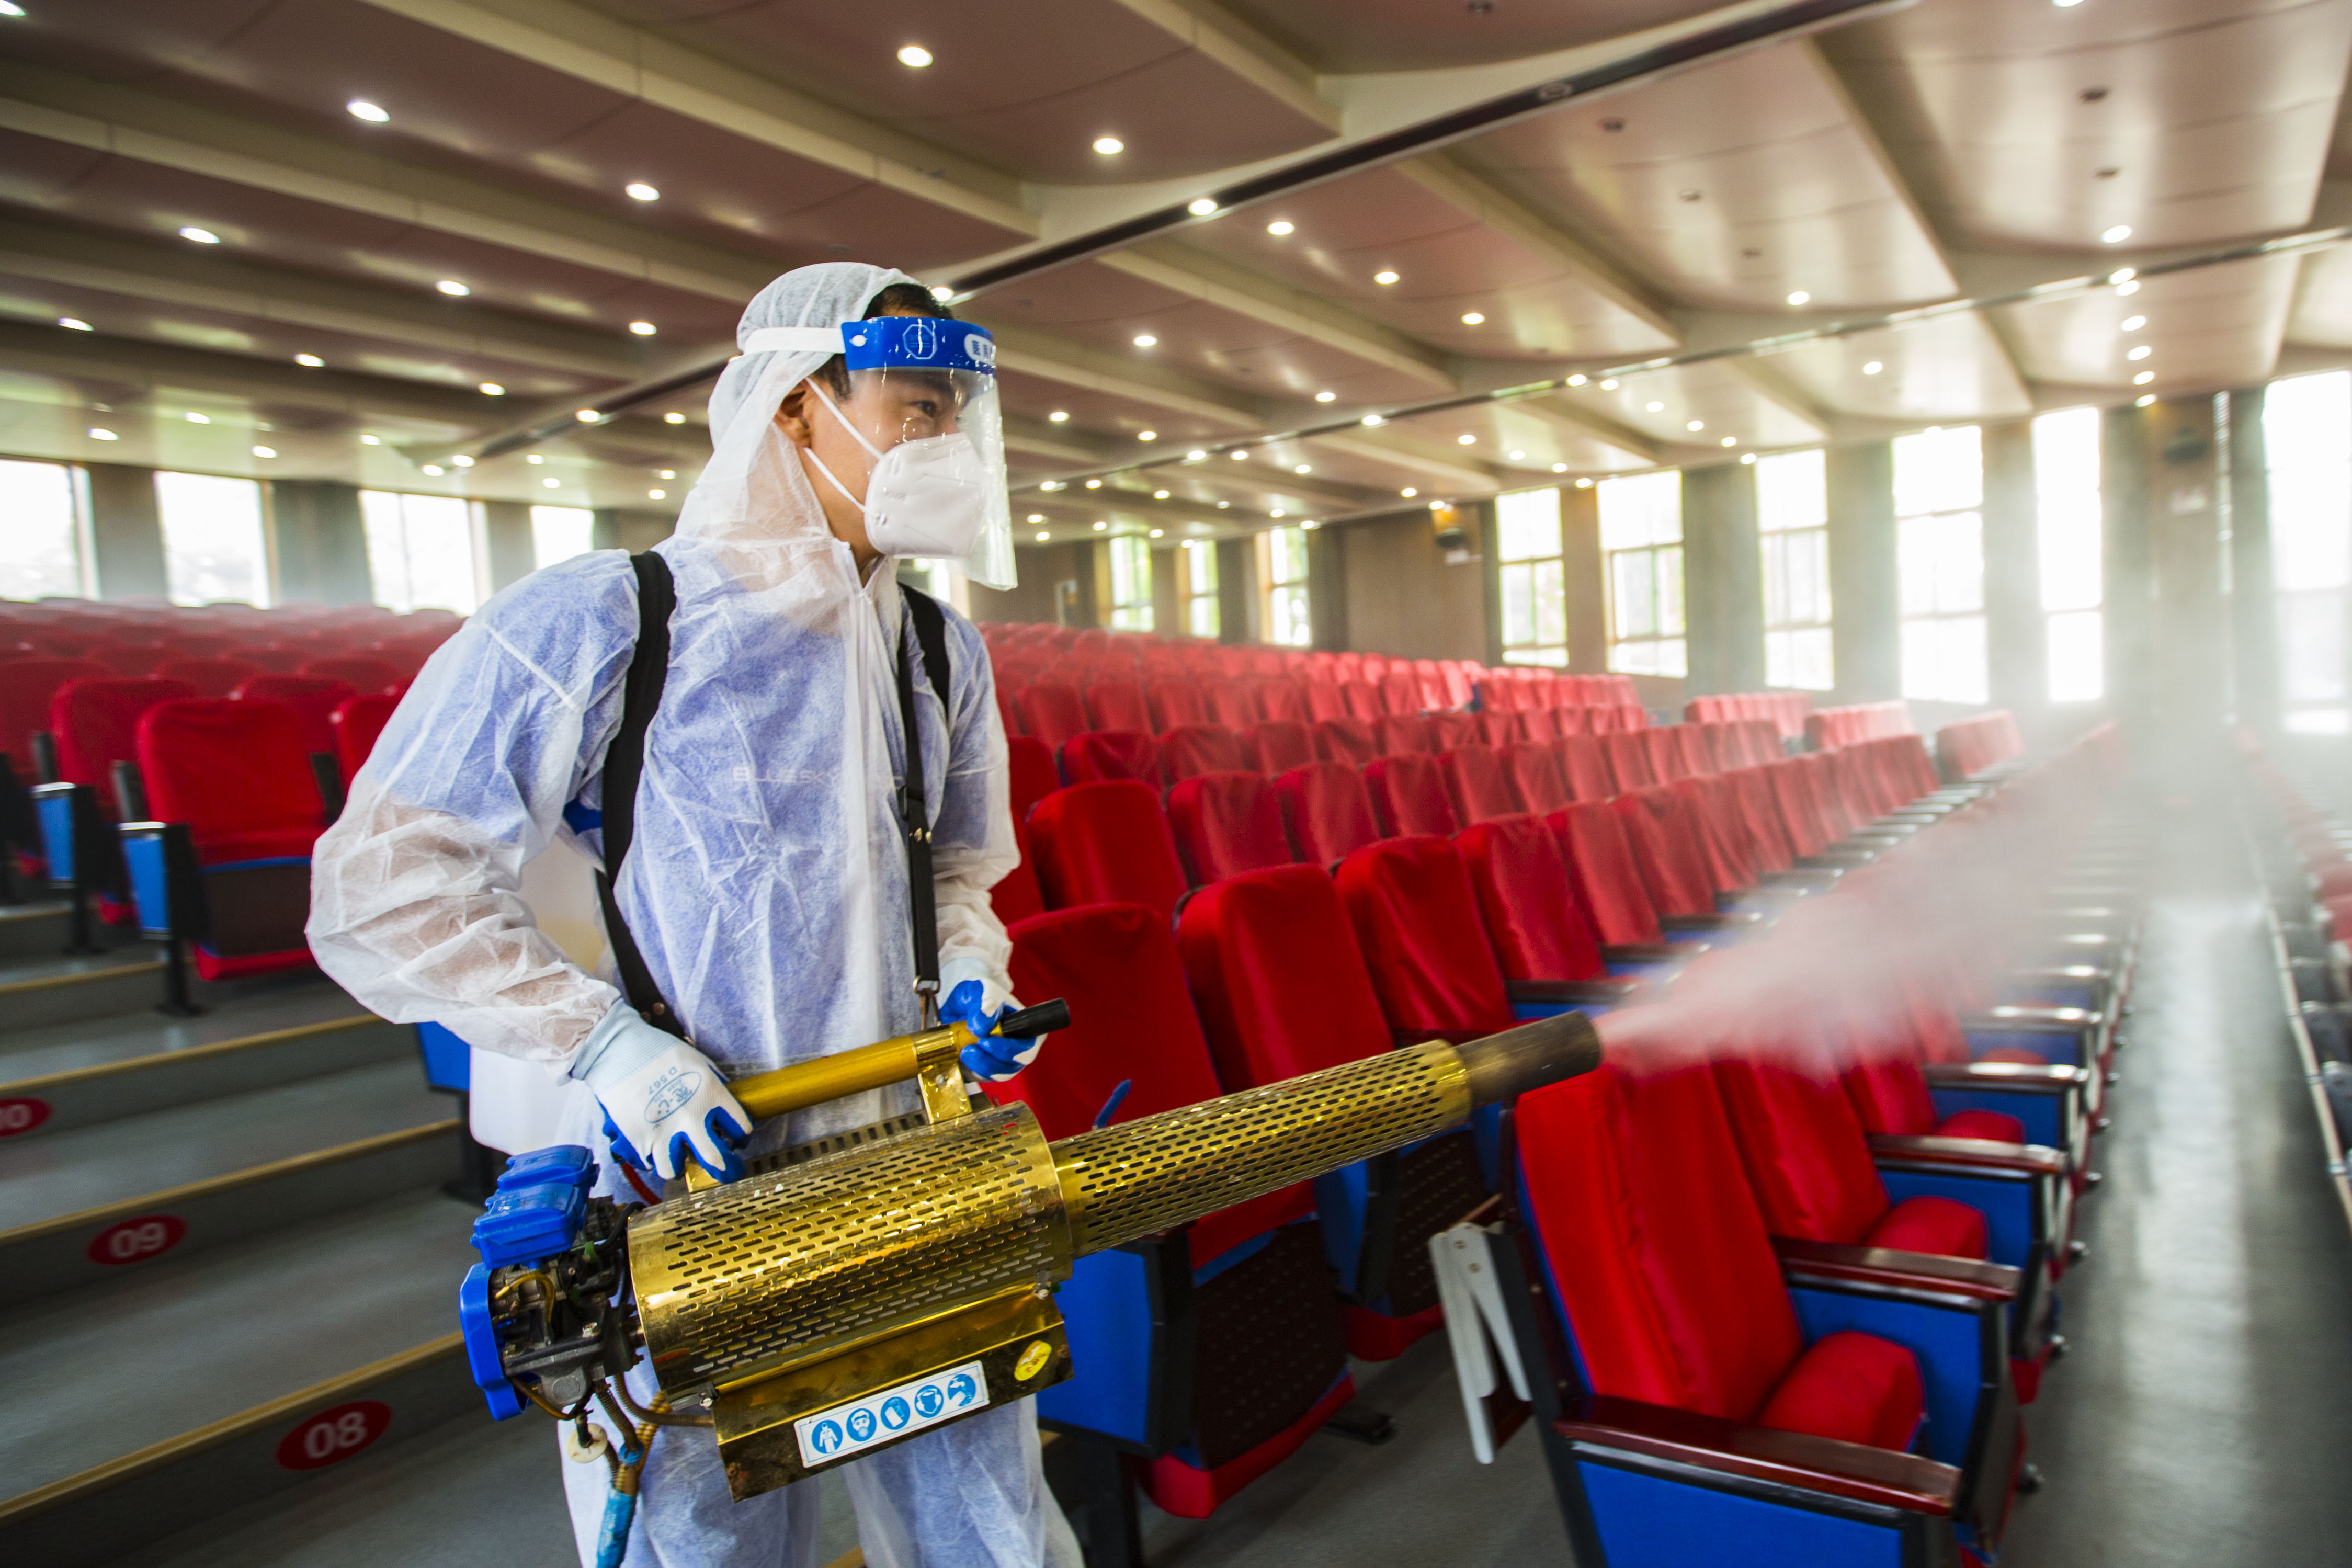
[[1196, 582], [1792, 519], [42, 549], [1939, 564], [2307, 433], [1535, 578], [2068, 531], [1641, 553], [1130, 583], [1282, 567], [561, 532], [421, 551], [214, 546]]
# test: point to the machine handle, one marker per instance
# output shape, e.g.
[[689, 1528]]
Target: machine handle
[[876, 1066], [1030, 1022]]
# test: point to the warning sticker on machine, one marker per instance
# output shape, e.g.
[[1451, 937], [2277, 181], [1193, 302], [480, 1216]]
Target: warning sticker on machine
[[879, 1418]]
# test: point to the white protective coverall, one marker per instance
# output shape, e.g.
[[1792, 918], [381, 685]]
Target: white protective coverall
[[766, 887]]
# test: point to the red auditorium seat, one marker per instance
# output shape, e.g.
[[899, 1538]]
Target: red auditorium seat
[[1477, 786], [1118, 705], [128, 660], [1030, 762], [1282, 990], [1051, 712], [1401, 692], [1348, 740], [1363, 699], [1409, 796], [1629, 760], [1584, 767], [1110, 754], [25, 697], [278, 659], [1175, 703], [362, 673], [1447, 731], [210, 676], [1286, 701], [1498, 727], [1106, 844], [1608, 880], [1395, 733], [313, 701], [1016, 895], [1327, 810], [95, 723], [1260, 1349], [1277, 746], [356, 725], [1195, 749], [1229, 703], [1323, 700], [1528, 903], [1535, 776], [1665, 842], [1538, 724], [1226, 823]]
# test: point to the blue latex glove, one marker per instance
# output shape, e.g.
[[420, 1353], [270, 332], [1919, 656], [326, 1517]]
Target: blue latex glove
[[993, 1059], [662, 1098]]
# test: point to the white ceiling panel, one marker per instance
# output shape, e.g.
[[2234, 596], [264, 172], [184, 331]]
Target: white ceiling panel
[[2323, 301], [2217, 327], [1414, 35], [1723, 401], [1950, 368]]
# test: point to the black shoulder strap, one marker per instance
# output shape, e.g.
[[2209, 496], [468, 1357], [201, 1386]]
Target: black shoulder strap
[[625, 765], [930, 636]]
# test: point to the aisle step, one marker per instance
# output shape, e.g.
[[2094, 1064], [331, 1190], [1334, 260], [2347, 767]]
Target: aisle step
[[139, 1408], [104, 1201], [37, 929], [59, 989]]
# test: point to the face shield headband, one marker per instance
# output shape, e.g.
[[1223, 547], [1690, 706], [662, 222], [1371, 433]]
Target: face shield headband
[[926, 386]]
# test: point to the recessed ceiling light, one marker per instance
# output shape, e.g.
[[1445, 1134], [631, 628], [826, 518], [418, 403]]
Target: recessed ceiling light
[[1109, 146], [1052, 485], [1474, 317], [463, 461], [587, 415], [534, 459], [2134, 323], [1731, 440], [1238, 456], [1610, 384], [1519, 456], [1036, 517], [638, 191], [1059, 415], [1094, 484], [1408, 493], [552, 483], [1584, 484], [2144, 400], [312, 361], [1575, 381], [943, 292], [1278, 511], [1654, 406], [1281, 226], [1748, 457], [1303, 468], [1872, 368], [451, 286], [2117, 235], [1800, 297], [195, 419], [644, 329], [1384, 278], [1559, 468], [360, 108], [1145, 340], [1326, 396], [368, 440], [2143, 378], [75, 324], [492, 389], [2123, 275], [1042, 538], [916, 56], [10, 8], [2142, 351], [1465, 439], [1225, 506], [2127, 286], [1201, 207], [1696, 424], [201, 235], [1372, 419], [1159, 495], [1099, 527], [1197, 455], [673, 417], [668, 473], [435, 469], [1147, 434], [1311, 525], [2066, 4], [1437, 506], [657, 495], [265, 451]]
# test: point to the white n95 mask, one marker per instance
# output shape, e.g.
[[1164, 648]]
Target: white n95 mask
[[925, 497]]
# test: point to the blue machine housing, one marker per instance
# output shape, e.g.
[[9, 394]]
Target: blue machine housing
[[535, 1214]]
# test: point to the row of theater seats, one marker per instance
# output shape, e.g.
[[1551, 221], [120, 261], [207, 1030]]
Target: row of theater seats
[[2305, 850], [1787, 710], [1828, 727], [185, 800], [1987, 1042], [1971, 747]]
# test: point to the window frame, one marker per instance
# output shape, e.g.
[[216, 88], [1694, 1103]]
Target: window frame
[[1938, 529], [1668, 609], [265, 556], [475, 555], [2315, 617], [1193, 596], [80, 544], [1133, 613], [2070, 619], [1275, 593], [1799, 638], [1530, 568]]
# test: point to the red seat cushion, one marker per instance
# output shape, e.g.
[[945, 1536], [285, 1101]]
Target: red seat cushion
[[1944, 1226], [1994, 1126], [1853, 1387]]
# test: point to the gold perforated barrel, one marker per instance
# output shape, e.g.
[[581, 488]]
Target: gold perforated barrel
[[743, 1280]]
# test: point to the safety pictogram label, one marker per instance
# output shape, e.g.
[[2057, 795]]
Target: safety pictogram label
[[884, 1418]]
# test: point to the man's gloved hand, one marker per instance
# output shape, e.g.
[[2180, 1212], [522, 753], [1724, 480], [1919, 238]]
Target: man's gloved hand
[[661, 1098], [994, 1058]]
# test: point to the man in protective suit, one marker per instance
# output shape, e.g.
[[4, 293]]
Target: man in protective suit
[[766, 881]]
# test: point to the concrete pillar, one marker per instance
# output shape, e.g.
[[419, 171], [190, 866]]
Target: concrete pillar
[[506, 531], [320, 542], [1866, 630], [1723, 579], [1238, 590], [2015, 641], [1587, 594], [619, 527], [2253, 602], [1326, 589], [2128, 618], [126, 532]]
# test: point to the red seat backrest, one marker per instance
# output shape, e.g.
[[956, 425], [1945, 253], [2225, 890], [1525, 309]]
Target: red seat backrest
[[1727, 850], [1629, 760], [1409, 796], [1284, 701], [1637, 1198], [1118, 705], [1584, 767], [1534, 773], [1226, 823], [1661, 835], [1279, 745], [356, 725], [1698, 756], [362, 673], [128, 660], [1807, 1158], [95, 723], [1447, 731], [314, 701], [1175, 703], [1106, 844], [210, 676], [1195, 749], [1801, 815], [1608, 880], [26, 693], [1324, 700], [1229, 703], [1110, 754], [1476, 784], [1031, 764], [1348, 740], [1498, 727], [282, 658], [1761, 812], [230, 769], [1050, 711], [1281, 987], [1528, 901], [1363, 699], [1416, 920], [1395, 733], [1538, 724], [1327, 810]]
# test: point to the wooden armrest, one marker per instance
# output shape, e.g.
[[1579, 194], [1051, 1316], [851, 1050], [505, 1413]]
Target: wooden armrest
[[1652, 952], [2023, 1075], [1599, 992], [1969, 1153], [1824, 1465], [1833, 1263]]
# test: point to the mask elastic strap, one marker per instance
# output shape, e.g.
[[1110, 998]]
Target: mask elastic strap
[[831, 478]]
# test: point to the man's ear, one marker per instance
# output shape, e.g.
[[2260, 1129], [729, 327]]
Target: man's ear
[[793, 417]]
